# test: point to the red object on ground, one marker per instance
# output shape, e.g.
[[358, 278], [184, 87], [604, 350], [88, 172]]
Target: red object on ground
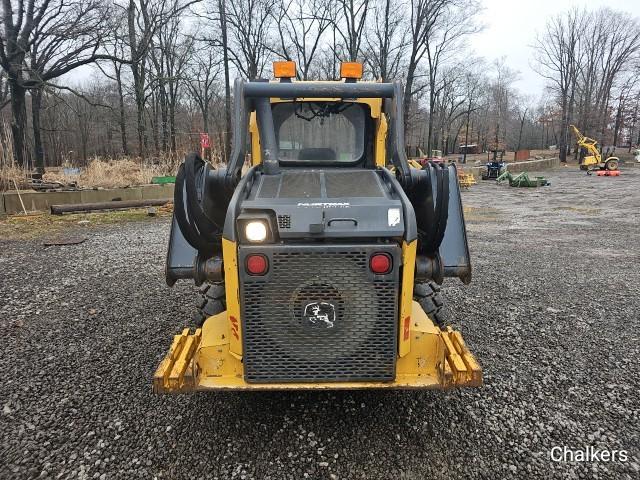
[[425, 160], [608, 173], [204, 140]]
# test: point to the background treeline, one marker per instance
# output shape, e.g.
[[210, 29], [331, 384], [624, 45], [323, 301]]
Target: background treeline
[[142, 78]]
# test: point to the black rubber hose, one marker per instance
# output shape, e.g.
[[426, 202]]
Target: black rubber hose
[[442, 212], [432, 210], [208, 229], [428, 209], [188, 229], [198, 229]]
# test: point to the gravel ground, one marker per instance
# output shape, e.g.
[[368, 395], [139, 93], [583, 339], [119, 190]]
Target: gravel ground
[[552, 315]]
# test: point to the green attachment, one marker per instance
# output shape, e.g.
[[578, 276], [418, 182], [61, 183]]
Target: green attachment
[[522, 180], [163, 180]]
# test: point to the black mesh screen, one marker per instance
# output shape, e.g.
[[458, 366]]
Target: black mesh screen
[[269, 187], [352, 184], [320, 316], [300, 185]]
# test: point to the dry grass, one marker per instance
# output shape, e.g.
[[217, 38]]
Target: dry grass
[[9, 171], [123, 172], [45, 226]]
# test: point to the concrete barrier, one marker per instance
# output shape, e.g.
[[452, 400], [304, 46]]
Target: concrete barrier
[[533, 165], [42, 201]]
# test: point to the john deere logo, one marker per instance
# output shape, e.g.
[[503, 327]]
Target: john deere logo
[[320, 314]]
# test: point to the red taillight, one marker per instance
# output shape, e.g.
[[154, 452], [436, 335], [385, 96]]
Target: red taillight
[[380, 263], [257, 264]]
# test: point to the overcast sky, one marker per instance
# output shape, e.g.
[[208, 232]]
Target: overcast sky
[[511, 26], [510, 30]]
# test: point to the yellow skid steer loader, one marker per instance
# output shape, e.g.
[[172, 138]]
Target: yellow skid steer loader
[[320, 264]]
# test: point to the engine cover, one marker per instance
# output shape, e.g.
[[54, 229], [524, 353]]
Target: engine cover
[[328, 203]]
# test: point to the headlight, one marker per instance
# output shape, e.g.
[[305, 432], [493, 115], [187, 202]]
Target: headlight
[[255, 231]]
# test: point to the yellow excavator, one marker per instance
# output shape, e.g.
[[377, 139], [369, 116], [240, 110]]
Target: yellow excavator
[[590, 157]]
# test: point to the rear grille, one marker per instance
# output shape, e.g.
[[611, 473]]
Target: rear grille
[[319, 315]]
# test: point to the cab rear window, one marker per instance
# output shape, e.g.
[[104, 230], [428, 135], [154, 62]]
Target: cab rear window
[[319, 132]]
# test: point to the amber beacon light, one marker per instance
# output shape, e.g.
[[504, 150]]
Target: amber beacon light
[[284, 69], [351, 70]]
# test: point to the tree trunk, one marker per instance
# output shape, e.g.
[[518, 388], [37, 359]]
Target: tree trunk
[[140, 124], [137, 70], [408, 86], [466, 138], [227, 84], [121, 120], [618, 123], [155, 123], [633, 126], [564, 125], [164, 114], [172, 121], [84, 140], [432, 104], [524, 116], [19, 123], [38, 149], [205, 118]]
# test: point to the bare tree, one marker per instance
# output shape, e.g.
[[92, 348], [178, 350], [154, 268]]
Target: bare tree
[[227, 81], [41, 41], [557, 52], [201, 78], [144, 19], [524, 110], [350, 26], [622, 42], [170, 55], [474, 83], [584, 55], [217, 14], [301, 25], [448, 30], [502, 96], [387, 39], [249, 23]]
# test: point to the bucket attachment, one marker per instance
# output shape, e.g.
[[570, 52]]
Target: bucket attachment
[[454, 250], [438, 359]]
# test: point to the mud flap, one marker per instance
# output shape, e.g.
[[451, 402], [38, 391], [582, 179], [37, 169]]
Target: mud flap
[[454, 249]]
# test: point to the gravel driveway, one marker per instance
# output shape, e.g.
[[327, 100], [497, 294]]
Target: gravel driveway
[[552, 315]]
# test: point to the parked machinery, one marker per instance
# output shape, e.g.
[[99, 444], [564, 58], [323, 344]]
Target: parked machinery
[[495, 166], [590, 156], [320, 263]]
